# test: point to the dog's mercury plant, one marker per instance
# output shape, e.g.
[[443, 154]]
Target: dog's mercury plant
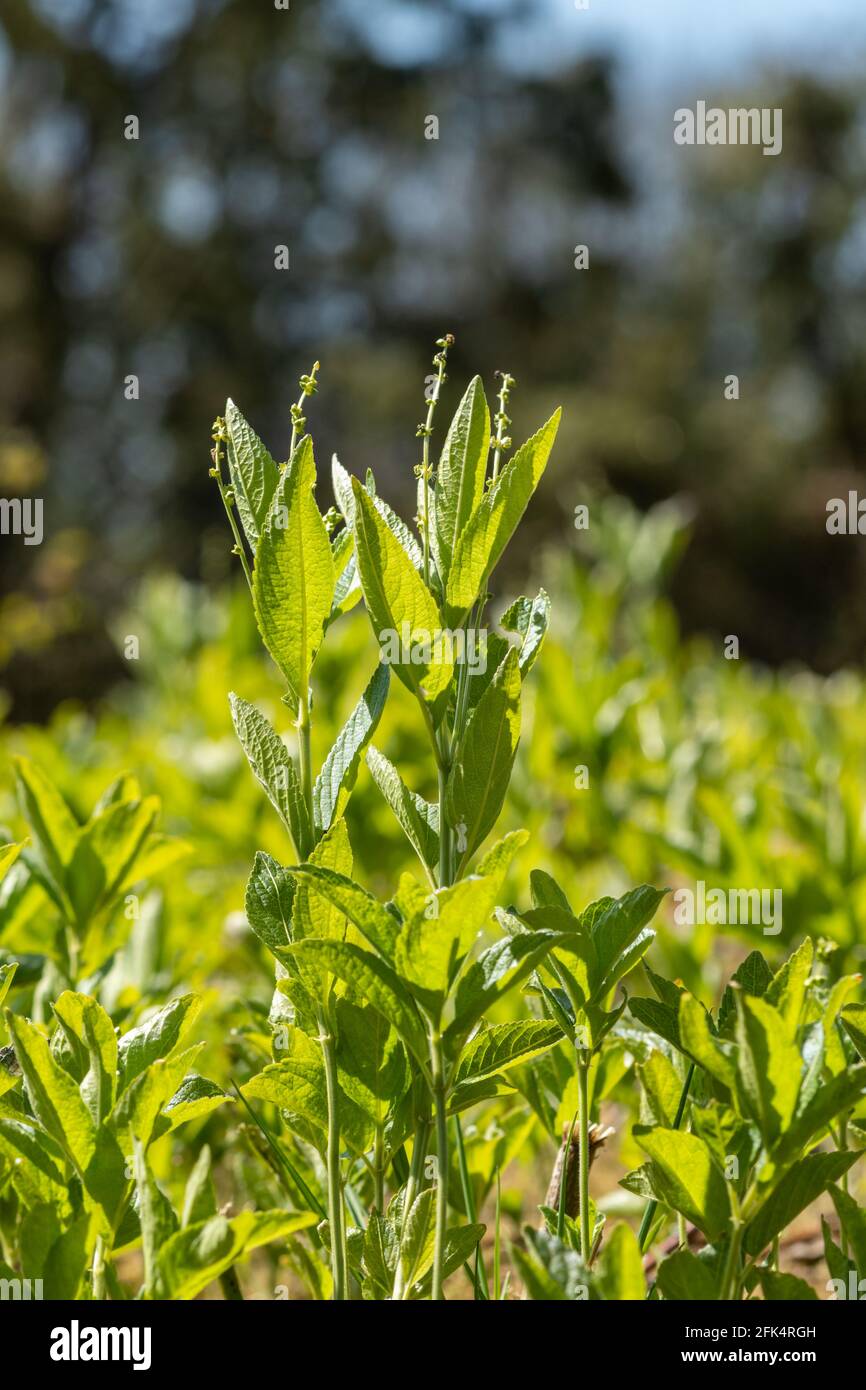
[[393, 1024], [382, 1007]]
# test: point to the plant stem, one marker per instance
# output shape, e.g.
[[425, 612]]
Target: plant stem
[[335, 1183], [583, 1122], [308, 388], [444, 831], [305, 753], [379, 1171], [425, 431], [437, 1061], [231, 1285], [497, 1287], [479, 1279], [650, 1211], [99, 1269], [729, 1279], [228, 504]]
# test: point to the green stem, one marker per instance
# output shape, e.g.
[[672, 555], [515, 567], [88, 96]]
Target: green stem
[[379, 1171], [444, 831], [419, 1153], [729, 1279], [335, 1182], [583, 1122], [426, 430], [437, 1061], [231, 1285], [479, 1279], [305, 753], [497, 1241], [239, 548], [99, 1269], [308, 388]]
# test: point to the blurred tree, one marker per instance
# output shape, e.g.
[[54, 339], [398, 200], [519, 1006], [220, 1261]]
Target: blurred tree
[[154, 258]]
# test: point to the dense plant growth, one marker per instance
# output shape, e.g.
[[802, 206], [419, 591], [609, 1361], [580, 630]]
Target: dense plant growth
[[431, 1027]]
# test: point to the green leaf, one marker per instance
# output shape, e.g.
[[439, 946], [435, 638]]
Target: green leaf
[[275, 770], [497, 970], [504, 1045], [371, 1061], [157, 1036], [485, 756], [435, 937], [461, 1243], [53, 827], [199, 1197], [194, 1097], [853, 1020], [8, 856], [419, 818], [139, 1105], [298, 1084], [794, 1191], [107, 849], [832, 1098], [322, 917], [658, 1017], [417, 1244], [293, 578], [615, 926], [41, 1177], [620, 1273], [661, 1088], [91, 1025], [684, 1277], [461, 474], [268, 902], [769, 1066], [401, 608], [158, 1221], [346, 502], [254, 474], [785, 1288], [193, 1257], [381, 1252], [54, 1096], [7, 975], [373, 979], [852, 1219], [68, 1258], [340, 769], [684, 1174], [787, 989], [551, 1271], [700, 1043], [370, 916], [529, 619], [494, 520]]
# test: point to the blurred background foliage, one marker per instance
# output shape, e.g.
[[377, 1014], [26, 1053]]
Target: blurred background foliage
[[155, 257], [304, 127]]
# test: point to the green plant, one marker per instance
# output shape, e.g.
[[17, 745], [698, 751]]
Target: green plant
[[79, 1108], [382, 1010]]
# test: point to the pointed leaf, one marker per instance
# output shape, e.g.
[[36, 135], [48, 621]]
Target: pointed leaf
[[293, 578], [254, 474]]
